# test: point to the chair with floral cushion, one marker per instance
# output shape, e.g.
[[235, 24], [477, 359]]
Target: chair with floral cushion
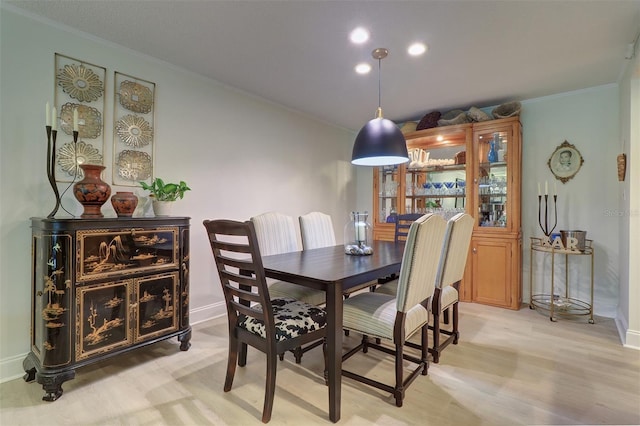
[[396, 318], [272, 326]]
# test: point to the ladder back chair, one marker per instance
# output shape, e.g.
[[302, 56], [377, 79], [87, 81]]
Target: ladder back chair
[[396, 318], [272, 326]]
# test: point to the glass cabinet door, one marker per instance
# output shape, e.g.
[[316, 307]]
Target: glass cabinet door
[[492, 179], [388, 187]]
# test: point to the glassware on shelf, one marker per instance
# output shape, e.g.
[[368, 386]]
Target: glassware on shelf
[[449, 186]]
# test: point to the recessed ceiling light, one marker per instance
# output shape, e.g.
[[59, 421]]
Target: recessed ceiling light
[[359, 35], [439, 138], [417, 49], [363, 68]]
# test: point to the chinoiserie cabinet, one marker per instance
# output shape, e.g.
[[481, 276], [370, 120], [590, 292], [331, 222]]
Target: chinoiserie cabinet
[[101, 287], [450, 171]]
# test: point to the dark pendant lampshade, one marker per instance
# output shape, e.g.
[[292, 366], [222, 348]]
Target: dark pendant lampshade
[[379, 143]]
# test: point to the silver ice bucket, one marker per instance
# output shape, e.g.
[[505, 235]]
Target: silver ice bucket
[[580, 236]]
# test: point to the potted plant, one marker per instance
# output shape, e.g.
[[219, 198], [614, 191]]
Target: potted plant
[[163, 194]]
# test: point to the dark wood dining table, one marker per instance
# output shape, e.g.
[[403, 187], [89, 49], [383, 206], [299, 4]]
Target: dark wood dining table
[[331, 270]]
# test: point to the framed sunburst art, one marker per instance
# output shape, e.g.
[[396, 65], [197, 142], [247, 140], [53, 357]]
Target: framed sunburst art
[[133, 133], [79, 87]]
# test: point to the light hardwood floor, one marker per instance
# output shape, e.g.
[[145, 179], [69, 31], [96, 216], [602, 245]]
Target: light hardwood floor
[[510, 367]]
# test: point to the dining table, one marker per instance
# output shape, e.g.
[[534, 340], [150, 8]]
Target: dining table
[[333, 271]]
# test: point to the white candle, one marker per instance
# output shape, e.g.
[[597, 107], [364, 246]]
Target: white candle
[[360, 231], [54, 119], [48, 115], [75, 120], [539, 189], [546, 187], [555, 188]]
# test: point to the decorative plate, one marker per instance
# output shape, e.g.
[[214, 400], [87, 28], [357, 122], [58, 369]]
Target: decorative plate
[[134, 130], [134, 165], [80, 83], [71, 155], [135, 97], [89, 120]]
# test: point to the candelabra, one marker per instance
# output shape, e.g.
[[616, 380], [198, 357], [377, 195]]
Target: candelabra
[[51, 164], [545, 228]]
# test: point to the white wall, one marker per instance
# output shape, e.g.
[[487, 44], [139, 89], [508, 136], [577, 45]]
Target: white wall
[[628, 316], [240, 155], [589, 120]]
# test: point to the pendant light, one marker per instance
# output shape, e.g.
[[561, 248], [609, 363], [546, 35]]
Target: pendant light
[[380, 142]]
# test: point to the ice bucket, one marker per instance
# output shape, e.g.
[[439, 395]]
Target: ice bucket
[[581, 236]]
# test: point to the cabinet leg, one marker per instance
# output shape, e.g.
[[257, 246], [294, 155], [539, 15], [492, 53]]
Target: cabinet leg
[[185, 340], [52, 384], [552, 319]]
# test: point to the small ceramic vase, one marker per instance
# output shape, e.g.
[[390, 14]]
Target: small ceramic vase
[[124, 203]]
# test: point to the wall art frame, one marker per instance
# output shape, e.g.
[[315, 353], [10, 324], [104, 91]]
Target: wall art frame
[[133, 130], [79, 85], [565, 162]]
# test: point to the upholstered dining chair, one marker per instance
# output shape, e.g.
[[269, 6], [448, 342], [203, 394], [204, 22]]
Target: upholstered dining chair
[[458, 238], [277, 233], [455, 249], [316, 229], [272, 326], [397, 317], [402, 225]]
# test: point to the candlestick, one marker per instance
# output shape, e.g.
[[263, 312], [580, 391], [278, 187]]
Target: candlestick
[[51, 165], [545, 228]]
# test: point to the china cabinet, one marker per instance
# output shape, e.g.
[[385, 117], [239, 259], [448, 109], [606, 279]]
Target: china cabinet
[[101, 287], [473, 167]]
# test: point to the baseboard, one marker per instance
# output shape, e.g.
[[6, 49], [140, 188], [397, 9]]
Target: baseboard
[[11, 368], [629, 338]]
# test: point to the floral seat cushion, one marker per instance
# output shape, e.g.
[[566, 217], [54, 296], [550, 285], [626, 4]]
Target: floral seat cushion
[[292, 319]]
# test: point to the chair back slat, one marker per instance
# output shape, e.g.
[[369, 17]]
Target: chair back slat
[[276, 233], [237, 257], [420, 261], [454, 260], [403, 223], [317, 231]]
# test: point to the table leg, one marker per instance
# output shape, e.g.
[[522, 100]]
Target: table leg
[[334, 349]]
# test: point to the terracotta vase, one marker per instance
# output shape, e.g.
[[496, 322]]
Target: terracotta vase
[[92, 192], [124, 203]]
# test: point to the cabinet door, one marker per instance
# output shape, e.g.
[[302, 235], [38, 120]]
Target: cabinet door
[[386, 201], [493, 276], [51, 310], [497, 177], [103, 318], [158, 305]]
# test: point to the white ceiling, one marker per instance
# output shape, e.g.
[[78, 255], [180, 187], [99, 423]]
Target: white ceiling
[[297, 53]]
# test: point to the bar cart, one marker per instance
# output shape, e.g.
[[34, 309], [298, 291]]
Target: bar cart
[[558, 304]]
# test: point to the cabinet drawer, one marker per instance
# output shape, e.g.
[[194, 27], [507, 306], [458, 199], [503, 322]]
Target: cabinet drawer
[[104, 253]]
